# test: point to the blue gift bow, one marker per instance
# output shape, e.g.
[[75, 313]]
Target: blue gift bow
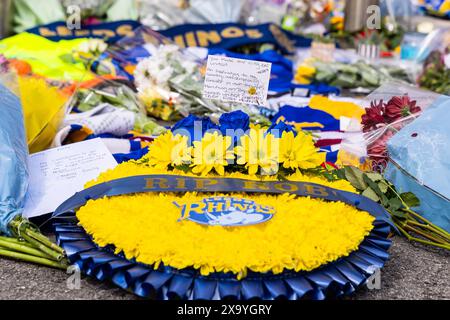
[[336, 279]]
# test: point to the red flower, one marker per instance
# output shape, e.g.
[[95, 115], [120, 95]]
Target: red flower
[[374, 116], [400, 107]]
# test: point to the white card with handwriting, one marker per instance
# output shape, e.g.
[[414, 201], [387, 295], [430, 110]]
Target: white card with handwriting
[[236, 80], [57, 174]]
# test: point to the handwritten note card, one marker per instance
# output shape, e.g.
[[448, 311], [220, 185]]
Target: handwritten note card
[[236, 80], [57, 174]]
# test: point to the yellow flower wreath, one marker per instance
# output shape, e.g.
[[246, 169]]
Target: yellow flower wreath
[[303, 234]]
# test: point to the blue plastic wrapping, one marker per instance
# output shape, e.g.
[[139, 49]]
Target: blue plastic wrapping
[[421, 162], [13, 158]]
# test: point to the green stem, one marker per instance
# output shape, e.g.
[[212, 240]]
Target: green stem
[[410, 238], [16, 241], [23, 249], [32, 259], [44, 240], [396, 193], [418, 216], [26, 229], [423, 234], [56, 255], [430, 228]]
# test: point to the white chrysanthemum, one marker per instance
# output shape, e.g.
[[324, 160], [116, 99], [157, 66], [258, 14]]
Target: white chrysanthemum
[[168, 49], [141, 74], [189, 66], [166, 64], [163, 76]]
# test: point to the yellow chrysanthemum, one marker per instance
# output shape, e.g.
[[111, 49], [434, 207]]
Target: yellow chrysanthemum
[[299, 152], [167, 150], [212, 152], [303, 234], [258, 149]]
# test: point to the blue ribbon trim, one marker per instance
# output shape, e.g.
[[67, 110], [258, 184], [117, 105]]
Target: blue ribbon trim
[[337, 279], [174, 183]]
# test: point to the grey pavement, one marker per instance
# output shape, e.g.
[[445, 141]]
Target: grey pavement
[[412, 272]]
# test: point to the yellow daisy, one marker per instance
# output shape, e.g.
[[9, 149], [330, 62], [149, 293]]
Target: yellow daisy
[[167, 150], [258, 149], [299, 151], [212, 152]]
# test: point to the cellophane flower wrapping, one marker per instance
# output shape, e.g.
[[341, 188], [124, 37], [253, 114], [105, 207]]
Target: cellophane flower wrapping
[[13, 154], [388, 110]]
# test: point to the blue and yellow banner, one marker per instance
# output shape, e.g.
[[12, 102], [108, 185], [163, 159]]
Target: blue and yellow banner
[[222, 35], [175, 183], [110, 31], [232, 35]]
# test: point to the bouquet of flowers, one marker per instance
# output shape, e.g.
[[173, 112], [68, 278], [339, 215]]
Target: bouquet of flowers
[[118, 94], [196, 147], [349, 76], [381, 121], [234, 146], [18, 238], [170, 85], [436, 74]]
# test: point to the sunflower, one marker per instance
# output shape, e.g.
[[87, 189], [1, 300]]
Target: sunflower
[[258, 149], [299, 152], [212, 152], [167, 150]]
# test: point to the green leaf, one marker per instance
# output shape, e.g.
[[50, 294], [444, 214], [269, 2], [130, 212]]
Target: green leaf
[[374, 186], [410, 199], [369, 193], [184, 167], [398, 214], [383, 186], [356, 177], [340, 174], [394, 204], [375, 177]]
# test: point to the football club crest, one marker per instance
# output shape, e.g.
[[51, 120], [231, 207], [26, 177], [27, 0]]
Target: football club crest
[[226, 211]]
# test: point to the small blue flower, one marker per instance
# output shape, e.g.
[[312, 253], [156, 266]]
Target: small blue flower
[[194, 127], [233, 121]]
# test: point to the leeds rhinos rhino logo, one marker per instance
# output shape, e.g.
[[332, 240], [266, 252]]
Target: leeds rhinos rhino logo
[[225, 211]]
